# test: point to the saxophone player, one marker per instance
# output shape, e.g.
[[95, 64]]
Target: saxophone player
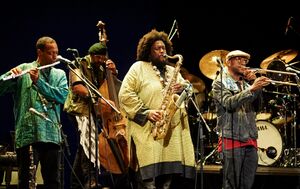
[[141, 95]]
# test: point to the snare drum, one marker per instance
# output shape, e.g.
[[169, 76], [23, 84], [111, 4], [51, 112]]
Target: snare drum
[[269, 143]]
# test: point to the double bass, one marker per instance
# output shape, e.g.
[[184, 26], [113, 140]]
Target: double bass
[[113, 147]]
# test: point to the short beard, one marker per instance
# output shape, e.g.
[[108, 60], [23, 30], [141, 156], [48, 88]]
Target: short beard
[[160, 65]]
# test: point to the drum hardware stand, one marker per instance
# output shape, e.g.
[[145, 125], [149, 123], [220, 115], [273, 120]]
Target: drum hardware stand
[[294, 124], [285, 122], [292, 153], [214, 151], [201, 137]]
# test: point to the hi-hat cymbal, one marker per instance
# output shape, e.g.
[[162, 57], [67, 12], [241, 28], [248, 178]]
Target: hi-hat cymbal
[[198, 84], [209, 116], [286, 56], [208, 66]]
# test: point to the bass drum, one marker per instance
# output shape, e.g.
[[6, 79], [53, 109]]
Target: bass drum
[[269, 143]]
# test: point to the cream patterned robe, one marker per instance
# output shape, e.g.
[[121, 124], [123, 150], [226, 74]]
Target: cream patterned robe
[[141, 89]]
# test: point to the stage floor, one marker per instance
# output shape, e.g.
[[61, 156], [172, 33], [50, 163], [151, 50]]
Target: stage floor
[[261, 170], [266, 178]]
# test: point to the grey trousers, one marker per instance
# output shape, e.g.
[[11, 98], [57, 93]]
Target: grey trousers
[[239, 167]]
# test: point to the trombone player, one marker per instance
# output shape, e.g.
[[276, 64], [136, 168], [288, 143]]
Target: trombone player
[[235, 91]]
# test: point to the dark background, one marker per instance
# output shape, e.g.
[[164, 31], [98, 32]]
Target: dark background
[[254, 28]]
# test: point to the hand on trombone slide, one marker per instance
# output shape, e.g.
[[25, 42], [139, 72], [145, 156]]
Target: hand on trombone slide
[[259, 83]]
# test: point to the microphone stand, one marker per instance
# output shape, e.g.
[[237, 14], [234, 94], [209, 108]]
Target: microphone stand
[[221, 65], [92, 113], [66, 146], [64, 143], [201, 137]]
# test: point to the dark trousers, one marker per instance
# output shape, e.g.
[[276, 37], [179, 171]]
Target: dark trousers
[[49, 156], [239, 167], [159, 182], [84, 172]]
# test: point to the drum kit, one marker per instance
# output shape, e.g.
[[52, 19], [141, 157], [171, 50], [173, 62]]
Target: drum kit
[[277, 121]]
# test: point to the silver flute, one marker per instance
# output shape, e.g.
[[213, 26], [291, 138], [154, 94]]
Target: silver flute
[[12, 76]]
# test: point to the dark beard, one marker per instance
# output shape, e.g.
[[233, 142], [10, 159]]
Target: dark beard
[[160, 65]]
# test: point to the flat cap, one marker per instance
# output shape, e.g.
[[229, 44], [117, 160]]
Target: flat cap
[[237, 53]]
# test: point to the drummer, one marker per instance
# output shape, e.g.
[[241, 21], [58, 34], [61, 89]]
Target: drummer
[[235, 103]]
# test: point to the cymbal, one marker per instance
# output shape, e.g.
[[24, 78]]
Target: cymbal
[[198, 84], [208, 66], [280, 121], [285, 55], [209, 116]]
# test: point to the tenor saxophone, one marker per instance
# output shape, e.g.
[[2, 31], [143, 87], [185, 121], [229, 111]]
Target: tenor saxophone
[[170, 103]]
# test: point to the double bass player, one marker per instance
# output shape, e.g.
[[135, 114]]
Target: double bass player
[[92, 67]]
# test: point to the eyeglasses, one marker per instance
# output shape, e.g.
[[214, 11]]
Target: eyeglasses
[[241, 60]]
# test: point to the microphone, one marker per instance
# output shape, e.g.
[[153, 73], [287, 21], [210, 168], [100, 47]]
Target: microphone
[[288, 25], [271, 151], [218, 60], [64, 60], [292, 70], [41, 115], [186, 84], [185, 94], [75, 51], [72, 50], [188, 87]]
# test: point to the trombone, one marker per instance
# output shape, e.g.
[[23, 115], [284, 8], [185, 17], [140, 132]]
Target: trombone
[[263, 71]]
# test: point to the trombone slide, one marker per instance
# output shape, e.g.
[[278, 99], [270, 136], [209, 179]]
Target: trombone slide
[[258, 70]]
